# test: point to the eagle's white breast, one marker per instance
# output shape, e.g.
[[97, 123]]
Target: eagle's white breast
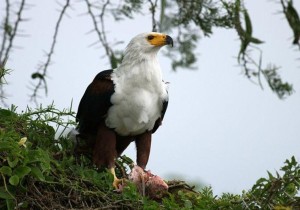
[[138, 98]]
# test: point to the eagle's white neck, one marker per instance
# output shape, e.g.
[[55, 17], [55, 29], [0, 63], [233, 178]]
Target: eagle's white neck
[[139, 93], [140, 66]]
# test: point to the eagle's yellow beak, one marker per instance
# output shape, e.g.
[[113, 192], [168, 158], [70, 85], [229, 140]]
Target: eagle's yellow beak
[[158, 39]]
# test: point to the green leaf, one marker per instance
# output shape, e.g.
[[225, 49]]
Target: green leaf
[[291, 189], [14, 180], [260, 182], [188, 204], [271, 177], [5, 146], [36, 172], [6, 170], [248, 24], [4, 194], [12, 163], [22, 171], [6, 113], [10, 204], [293, 161], [255, 40]]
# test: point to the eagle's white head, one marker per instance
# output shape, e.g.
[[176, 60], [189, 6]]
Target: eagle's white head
[[146, 45], [148, 42]]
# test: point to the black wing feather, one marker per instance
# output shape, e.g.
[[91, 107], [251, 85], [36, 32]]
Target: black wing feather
[[159, 120], [95, 103]]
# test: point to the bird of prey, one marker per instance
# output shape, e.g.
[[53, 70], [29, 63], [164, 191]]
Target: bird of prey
[[125, 104]]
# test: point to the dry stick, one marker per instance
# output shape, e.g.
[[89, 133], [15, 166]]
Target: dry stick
[[4, 52], [45, 66], [6, 23], [15, 29], [153, 10], [107, 48], [100, 32]]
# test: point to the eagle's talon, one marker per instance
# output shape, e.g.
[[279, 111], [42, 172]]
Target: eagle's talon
[[117, 183]]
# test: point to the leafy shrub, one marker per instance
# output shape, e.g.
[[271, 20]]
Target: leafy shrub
[[38, 171]]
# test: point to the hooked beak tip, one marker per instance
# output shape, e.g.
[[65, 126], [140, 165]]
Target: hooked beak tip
[[169, 40]]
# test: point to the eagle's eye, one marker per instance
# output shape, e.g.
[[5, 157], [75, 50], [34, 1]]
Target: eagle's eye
[[150, 37]]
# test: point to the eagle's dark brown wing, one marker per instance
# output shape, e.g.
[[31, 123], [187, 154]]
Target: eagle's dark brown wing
[[95, 103], [159, 120]]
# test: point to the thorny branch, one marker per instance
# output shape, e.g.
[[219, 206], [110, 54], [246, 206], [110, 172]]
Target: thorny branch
[[3, 73], [251, 67], [100, 31], [6, 24], [9, 31], [153, 7], [236, 16], [9, 34], [42, 71]]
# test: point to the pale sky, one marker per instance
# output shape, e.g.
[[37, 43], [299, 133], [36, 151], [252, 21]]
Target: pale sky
[[219, 128]]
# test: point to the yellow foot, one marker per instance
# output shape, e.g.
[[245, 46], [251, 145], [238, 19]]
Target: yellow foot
[[116, 181]]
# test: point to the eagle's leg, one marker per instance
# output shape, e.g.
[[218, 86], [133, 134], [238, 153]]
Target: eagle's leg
[[122, 144], [116, 181], [105, 152], [143, 146]]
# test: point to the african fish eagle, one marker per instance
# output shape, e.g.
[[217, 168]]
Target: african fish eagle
[[125, 104]]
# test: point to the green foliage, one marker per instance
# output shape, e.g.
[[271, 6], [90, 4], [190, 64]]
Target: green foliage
[[278, 190], [3, 72], [19, 158], [191, 18], [282, 89], [38, 171], [245, 35], [292, 18], [251, 67], [127, 9], [187, 20]]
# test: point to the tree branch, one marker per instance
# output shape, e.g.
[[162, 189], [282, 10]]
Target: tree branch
[[9, 34], [42, 71], [6, 23], [11, 31], [153, 6], [100, 31]]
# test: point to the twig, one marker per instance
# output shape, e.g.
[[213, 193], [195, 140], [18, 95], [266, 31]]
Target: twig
[[247, 59], [100, 31], [11, 34], [153, 6], [6, 23], [5, 187], [36, 189], [44, 67], [3, 81], [107, 48], [180, 184]]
